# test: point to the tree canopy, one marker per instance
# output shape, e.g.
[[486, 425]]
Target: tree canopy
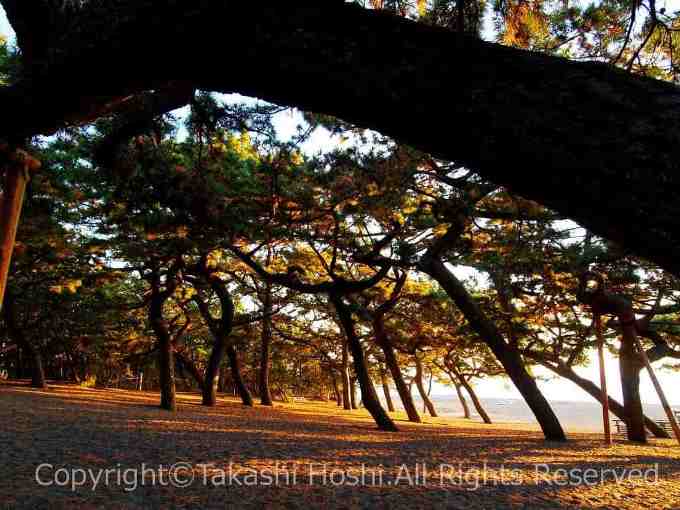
[[549, 128]]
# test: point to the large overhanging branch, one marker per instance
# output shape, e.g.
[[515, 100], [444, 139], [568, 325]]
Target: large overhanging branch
[[291, 280], [591, 142]]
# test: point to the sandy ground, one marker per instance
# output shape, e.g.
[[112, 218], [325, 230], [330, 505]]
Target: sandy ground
[[69, 447]]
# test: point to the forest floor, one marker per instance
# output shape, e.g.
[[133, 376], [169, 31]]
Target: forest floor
[[72, 447]]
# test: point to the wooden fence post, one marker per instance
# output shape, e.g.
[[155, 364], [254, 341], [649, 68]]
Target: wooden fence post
[[18, 166], [603, 379]]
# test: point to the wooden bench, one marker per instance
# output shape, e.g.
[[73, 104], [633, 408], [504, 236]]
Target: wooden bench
[[621, 429]]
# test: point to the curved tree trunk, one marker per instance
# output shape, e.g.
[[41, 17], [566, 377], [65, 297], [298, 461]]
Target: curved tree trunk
[[239, 383], [219, 329], [368, 394], [386, 390], [594, 391], [509, 358], [463, 402], [265, 350], [393, 365], [184, 362], [212, 372], [475, 400], [421, 389]]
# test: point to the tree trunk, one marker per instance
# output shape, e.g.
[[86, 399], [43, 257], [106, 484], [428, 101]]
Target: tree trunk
[[353, 392], [167, 374], [239, 383], [368, 394], [594, 391], [509, 358], [630, 387], [265, 352], [19, 363], [421, 389], [346, 393], [220, 330], [15, 177], [463, 402], [223, 378], [166, 362], [184, 362], [393, 365], [475, 400], [336, 389], [38, 379], [386, 390], [212, 372]]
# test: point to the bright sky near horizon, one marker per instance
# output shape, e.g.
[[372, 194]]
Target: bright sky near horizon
[[554, 389]]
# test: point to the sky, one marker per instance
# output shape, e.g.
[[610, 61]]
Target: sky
[[554, 389], [5, 28]]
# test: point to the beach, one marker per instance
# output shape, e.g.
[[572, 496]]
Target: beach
[[69, 447]]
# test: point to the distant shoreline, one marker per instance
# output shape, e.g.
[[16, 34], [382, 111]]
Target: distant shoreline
[[576, 416]]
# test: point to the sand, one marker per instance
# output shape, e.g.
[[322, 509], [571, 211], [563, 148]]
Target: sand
[[71, 447]]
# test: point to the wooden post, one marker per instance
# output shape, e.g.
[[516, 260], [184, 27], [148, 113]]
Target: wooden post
[[659, 391], [17, 173], [603, 380]]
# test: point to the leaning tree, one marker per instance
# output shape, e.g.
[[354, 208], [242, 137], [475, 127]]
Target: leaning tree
[[549, 128]]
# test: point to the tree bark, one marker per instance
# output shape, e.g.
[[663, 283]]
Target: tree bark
[[166, 360], [368, 394], [220, 329], [475, 400], [237, 377], [510, 359], [336, 388], [19, 363], [386, 390], [421, 389], [630, 387], [16, 175], [186, 363], [212, 372], [265, 349], [393, 365], [38, 379], [346, 393], [353, 392], [463, 402], [623, 131]]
